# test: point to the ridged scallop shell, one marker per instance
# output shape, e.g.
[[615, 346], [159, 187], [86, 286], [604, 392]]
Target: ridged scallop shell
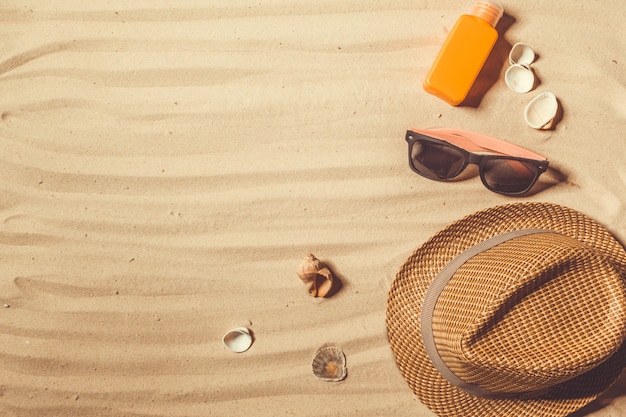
[[329, 364]]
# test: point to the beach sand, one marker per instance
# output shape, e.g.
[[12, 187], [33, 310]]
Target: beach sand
[[164, 170]]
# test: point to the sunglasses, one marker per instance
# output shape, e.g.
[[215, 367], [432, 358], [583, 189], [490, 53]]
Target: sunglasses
[[504, 168]]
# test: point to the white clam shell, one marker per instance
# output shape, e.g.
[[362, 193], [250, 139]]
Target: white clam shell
[[541, 111], [238, 339], [519, 78], [521, 54], [329, 364]]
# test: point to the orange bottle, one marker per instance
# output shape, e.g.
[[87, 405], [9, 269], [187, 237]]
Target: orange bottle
[[464, 52]]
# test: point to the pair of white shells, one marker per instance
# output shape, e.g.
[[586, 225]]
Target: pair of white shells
[[541, 111], [519, 77]]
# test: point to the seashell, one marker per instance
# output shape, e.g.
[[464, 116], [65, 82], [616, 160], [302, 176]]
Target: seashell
[[329, 364], [238, 339], [521, 54], [541, 111], [519, 78], [316, 275]]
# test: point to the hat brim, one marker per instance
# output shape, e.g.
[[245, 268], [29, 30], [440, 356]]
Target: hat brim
[[415, 275]]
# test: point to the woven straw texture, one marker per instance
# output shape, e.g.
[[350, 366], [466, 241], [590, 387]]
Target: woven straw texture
[[577, 285]]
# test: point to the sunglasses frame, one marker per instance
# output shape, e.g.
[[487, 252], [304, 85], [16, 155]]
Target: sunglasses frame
[[495, 148]]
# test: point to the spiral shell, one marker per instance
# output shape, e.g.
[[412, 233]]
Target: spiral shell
[[316, 276], [329, 364]]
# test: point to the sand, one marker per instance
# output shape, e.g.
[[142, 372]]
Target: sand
[[164, 170]]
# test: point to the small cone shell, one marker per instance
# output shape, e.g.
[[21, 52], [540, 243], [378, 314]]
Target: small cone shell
[[316, 276]]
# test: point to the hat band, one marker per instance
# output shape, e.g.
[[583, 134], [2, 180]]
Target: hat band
[[430, 300]]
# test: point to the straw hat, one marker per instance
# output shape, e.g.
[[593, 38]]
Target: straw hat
[[517, 310]]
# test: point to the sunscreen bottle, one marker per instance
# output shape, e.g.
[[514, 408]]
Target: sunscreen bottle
[[464, 52]]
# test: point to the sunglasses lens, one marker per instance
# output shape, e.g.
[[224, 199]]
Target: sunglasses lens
[[436, 161], [509, 176]]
